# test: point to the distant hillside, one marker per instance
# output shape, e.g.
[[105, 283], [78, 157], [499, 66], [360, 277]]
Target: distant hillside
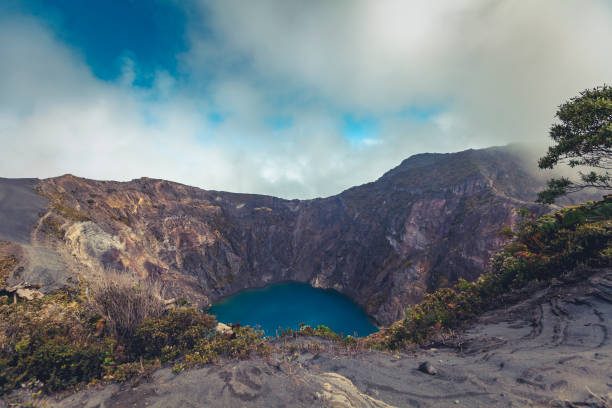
[[424, 224]]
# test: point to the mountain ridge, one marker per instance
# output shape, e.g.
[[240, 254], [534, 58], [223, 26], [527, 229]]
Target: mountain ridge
[[383, 243]]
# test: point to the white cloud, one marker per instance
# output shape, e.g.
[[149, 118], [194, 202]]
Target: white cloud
[[495, 70], [502, 66]]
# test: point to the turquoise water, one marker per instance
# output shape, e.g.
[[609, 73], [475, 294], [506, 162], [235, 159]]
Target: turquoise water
[[286, 305]]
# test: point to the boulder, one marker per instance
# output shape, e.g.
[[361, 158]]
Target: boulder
[[223, 328], [427, 368], [29, 294], [24, 291]]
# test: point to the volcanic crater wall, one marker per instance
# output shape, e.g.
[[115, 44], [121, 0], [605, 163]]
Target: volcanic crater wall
[[426, 223]]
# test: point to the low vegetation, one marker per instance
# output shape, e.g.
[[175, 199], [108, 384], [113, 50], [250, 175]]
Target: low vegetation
[[124, 302], [121, 331], [321, 332], [69, 212], [575, 238], [7, 263]]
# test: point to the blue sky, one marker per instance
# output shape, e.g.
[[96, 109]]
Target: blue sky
[[151, 32], [291, 98]]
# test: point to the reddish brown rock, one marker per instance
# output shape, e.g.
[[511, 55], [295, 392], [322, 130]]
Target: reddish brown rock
[[426, 223]]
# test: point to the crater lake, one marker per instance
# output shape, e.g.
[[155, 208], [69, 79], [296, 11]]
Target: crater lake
[[286, 305]]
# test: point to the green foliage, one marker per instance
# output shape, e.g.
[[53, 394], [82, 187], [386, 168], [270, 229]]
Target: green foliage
[[242, 344], [182, 302], [327, 333], [555, 188], [544, 249], [50, 341], [320, 331], [506, 232], [582, 138], [7, 264], [55, 362], [172, 334], [58, 342], [127, 371]]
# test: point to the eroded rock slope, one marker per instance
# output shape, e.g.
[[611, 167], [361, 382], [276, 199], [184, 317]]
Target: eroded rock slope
[[424, 224]]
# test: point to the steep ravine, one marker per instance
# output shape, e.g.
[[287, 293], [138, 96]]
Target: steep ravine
[[424, 224]]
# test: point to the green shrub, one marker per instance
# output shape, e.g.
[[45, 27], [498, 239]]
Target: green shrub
[[7, 264], [58, 341], [320, 331], [171, 334], [242, 344], [58, 364], [48, 340], [127, 371]]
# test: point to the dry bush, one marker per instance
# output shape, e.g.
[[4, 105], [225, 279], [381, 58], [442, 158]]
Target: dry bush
[[124, 302]]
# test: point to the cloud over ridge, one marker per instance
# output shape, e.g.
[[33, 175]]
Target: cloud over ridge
[[261, 96]]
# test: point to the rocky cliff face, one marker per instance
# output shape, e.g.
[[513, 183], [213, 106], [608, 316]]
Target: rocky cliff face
[[426, 223]]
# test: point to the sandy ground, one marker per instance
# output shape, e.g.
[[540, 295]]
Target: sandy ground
[[553, 350], [20, 211]]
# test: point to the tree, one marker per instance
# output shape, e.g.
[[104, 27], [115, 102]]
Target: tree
[[583, 137]]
